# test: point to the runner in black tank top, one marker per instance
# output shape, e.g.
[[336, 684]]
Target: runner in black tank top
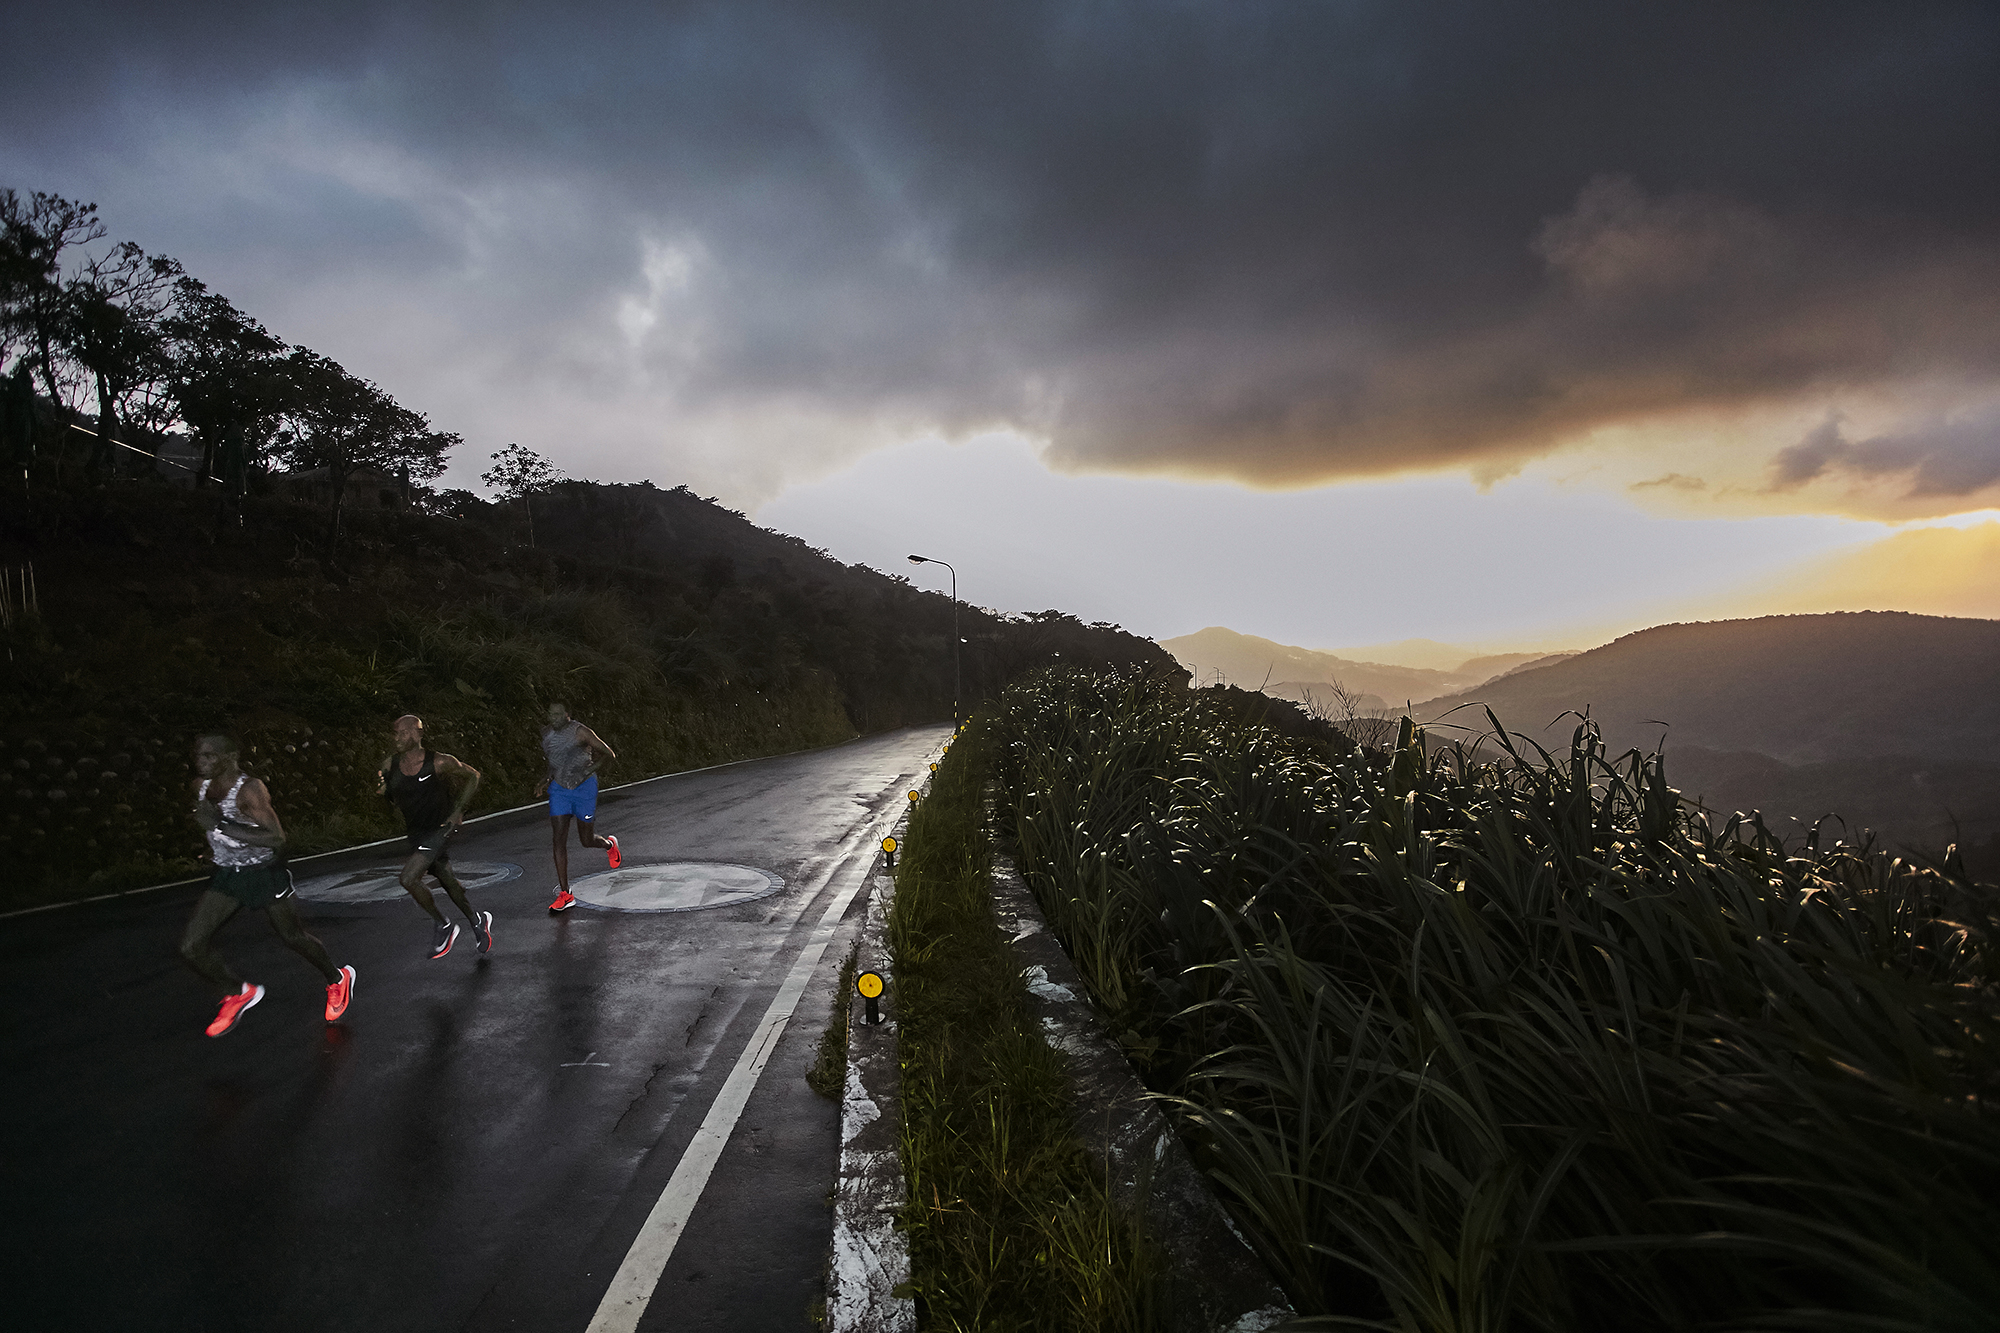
[[417, 782]]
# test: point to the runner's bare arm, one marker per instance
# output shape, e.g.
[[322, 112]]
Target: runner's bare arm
[[205, 812], [255, 801], [451, 767], [590, 738]]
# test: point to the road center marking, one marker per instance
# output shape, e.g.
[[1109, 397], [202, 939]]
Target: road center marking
[[632, 1286], [676, 886], [383, 883]]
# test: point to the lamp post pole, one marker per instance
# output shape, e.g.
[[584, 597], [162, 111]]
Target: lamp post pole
[[955, 680]]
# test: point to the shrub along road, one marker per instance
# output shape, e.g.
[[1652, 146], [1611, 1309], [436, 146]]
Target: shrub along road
[[479, 1143]]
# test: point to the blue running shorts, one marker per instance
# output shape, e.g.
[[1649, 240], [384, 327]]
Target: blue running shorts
[[580, 800]]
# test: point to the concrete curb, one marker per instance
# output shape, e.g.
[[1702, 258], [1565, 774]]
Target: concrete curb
[[1226, 1287], [871, 1256]]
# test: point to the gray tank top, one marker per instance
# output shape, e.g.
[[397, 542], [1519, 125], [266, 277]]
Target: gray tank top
[[568, 755], [227, 851]]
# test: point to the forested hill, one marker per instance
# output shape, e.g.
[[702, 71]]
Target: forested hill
[[683, 632], [1889, 719]]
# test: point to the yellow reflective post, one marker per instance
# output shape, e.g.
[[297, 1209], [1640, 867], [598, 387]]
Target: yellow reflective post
[[913, 798], [870, 986], [889, 853]]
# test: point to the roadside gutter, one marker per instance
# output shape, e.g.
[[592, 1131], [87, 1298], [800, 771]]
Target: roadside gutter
[[869, 1274], [1225, 1287]]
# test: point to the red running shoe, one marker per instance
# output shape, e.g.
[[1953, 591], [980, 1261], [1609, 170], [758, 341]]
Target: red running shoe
[[233, 1008], [564, 901], [340, 994], [616, 859]]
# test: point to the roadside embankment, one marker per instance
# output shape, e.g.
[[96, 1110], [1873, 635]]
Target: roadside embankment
[[1528, 1043], [1008, 1219]]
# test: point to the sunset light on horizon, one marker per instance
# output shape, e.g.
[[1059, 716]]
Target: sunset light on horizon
[[1299, 290]]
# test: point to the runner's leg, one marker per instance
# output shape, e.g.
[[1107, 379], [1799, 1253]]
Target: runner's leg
[[559, 825], [284, 915], [585, 810], [211, 913], [443, 872], [413, 883]]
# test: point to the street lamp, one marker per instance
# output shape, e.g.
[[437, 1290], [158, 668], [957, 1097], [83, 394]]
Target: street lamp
[[931, 560]]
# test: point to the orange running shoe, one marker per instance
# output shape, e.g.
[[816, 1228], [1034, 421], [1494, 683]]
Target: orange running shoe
[[233, 1009], [340, 994], [564, 901], [616, 858]]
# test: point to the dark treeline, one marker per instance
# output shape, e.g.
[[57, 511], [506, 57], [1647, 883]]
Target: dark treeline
[[128, 351], [230, 593]]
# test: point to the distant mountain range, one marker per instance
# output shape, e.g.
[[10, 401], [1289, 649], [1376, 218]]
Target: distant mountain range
[[1888, 719], [1426, 653], [1222, 655]]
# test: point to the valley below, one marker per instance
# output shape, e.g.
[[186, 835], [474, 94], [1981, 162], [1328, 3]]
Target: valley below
[[1877, 723]]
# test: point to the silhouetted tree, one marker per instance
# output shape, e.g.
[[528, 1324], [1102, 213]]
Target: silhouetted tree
[[33, 235], [343, 424], [229, 374], [517, 473], [110, 325]]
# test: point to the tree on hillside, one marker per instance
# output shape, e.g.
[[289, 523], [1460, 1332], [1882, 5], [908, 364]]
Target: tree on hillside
[[33, 235], [341, 423], [228, 381], [110, 324], [517, 473]]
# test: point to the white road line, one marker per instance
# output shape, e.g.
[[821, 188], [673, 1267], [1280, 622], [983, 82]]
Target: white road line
[[632, 1287]]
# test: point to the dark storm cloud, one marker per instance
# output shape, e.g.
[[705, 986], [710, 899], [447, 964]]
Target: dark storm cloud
[[1953, 456], [1276, 242]]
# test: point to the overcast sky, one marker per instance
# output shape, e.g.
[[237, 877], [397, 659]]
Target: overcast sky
[[1547, 317]]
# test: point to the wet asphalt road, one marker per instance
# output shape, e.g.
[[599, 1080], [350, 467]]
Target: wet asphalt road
[[477, 1143]]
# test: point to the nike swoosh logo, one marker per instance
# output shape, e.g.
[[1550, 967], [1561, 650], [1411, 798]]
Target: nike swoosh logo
[[423, 779]]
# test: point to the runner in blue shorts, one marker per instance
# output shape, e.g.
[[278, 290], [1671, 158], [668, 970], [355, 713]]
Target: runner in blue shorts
[[573, 751]]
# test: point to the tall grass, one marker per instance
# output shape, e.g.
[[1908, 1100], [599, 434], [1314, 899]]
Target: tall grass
[[1010, 1225], [1526, 1044]]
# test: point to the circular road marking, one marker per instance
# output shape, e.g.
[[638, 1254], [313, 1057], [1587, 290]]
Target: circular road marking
[[375, 884], [676, 886]]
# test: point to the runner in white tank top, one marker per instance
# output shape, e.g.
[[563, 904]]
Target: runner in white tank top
[[244, 839]]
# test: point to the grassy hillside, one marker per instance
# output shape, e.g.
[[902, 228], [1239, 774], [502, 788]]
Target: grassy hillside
[[1522, 1045], [1889, 719], [682, 632]]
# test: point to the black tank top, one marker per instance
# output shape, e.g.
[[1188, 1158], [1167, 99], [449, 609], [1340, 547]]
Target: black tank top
[[424, 799]]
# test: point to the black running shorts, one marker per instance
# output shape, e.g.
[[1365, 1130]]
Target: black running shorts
[[432, 843], [253, 886]]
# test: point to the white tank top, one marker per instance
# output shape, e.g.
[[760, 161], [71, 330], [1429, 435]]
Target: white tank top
[[228, 851]]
